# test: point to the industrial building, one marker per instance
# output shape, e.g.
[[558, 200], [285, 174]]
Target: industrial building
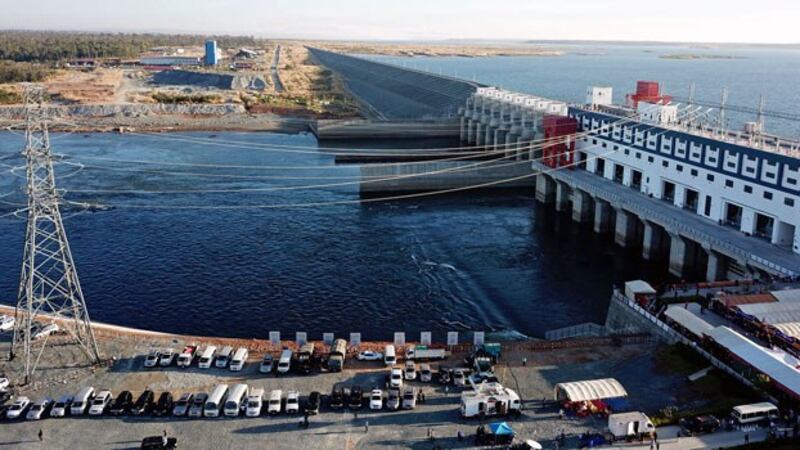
[[212, 55], [169, 61]]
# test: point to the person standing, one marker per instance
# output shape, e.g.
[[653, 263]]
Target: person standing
[[41, 435], [747, 438], [524, 361], [366, 426]]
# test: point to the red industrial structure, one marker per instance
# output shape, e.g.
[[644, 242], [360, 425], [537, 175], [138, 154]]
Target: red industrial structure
[[559, 152], [649, 92]]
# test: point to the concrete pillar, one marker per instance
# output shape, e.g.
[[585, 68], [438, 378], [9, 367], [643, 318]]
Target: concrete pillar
[[602, 216], [462, 130], [545, 188], [625, 228], [562, 196], [581, 206], [716, 266], [470, 131], [479, 133], [678, 255], [651, 243]]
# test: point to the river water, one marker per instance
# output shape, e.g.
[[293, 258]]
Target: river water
[[477, 261]]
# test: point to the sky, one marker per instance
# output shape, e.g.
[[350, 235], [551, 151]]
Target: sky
[[765, 21]]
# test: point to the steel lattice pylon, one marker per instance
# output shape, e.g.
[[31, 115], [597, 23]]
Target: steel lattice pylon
[[49, 288]]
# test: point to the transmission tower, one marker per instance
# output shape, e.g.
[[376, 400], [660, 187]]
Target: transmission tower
[[49, 290]]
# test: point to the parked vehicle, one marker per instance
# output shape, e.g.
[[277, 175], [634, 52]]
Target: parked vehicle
[[238, 360], [151, 360], [224, 357], [409, 398], [313, 403], [45, 331], [630, 425], [396, 378], [275, 398], [236, 399], [18, 408], [101, 403], [167, 357], [157, 443], [255, 402], [198, 403], [422, 352], [122, 404], [410, 371], [459, 377], [376, 400], [164, 405], [39, 409], [528, 444], [338, 396], [389, 355], [292, 402], [337, 355], [369, 355], [755, 413], [489, 399], [267, 364], [285, 361], [4, 383], [61, 406], [6, 322], [207, 357], [182, 405], [356, 400], [425, 373], [305, 358], [81, 401], [393, 400], [213, 404], [691, 426], [187, 356], [144, 404]]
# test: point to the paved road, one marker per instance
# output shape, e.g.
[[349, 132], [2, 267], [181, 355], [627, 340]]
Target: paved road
[[276, 79], [726, 439]]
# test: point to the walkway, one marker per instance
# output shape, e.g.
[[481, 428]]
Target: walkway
[[722, 439]]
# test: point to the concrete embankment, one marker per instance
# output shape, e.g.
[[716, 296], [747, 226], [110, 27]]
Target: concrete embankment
[[382, 129], [207, 79]]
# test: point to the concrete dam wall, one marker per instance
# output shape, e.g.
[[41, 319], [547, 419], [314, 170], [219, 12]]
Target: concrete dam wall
[[391, 92]]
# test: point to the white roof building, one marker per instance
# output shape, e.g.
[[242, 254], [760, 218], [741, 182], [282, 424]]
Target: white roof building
[[581, 391], [689, 320]]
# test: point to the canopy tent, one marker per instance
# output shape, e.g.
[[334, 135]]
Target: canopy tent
[[688, 320], [501, 429], [766, 308], [787, 295], [791, 329], [581, 391], [779, 366]]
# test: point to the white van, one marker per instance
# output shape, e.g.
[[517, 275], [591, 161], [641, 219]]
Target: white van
[[224, 357], [755, 412], [207, 357], [233, 404], [81, 401], [214, 403], [254, 403], [275, 398], [285, 362], [390, 356], [239, 358]]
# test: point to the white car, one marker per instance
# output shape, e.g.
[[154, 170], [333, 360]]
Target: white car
[[151, 360], [61, 406], [459, 378], [45, 331], [292, 402], [38, 409], [376, 400], [274, 405], [255, 402], [425, 373], [100, 403], [410, 371], [4, 383], [166, 357], [369, 355], [17, 408], [267, 364], [396, 378], [6, 322]]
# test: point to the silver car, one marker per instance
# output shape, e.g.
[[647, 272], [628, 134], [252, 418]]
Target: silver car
[[199, 401], [61, 406], [182, 405], [409, 398], [39, 409]]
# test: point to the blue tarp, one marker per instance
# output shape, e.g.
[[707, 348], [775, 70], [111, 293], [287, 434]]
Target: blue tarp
[[500, 429]]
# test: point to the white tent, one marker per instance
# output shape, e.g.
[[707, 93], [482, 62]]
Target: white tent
[[757, 309], [688, 320], [581, 391], [789, 328], [779, 366], [787, 295]]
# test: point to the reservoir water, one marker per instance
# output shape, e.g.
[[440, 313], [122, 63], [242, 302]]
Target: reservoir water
[[210, 262]]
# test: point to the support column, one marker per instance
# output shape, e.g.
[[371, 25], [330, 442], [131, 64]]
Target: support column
[[716, 266], [678, 255], [581, 206], [545, 188], [562, 196], [624, 228], [651, 242], [602, 216], [479, 133]]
